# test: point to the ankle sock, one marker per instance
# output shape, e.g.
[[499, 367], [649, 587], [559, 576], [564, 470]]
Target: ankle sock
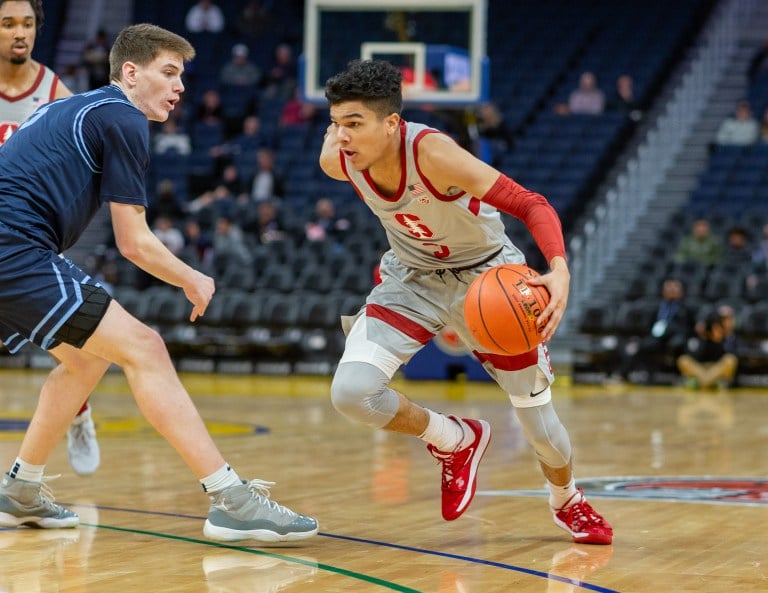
[[560, 495], [224, 477], [21, 470], [443, 433]]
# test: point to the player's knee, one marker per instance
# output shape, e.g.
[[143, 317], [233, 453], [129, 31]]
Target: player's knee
[[546, 434], [143, 347], [359, 392]]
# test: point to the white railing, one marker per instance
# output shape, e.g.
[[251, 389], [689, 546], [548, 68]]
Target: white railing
[[592, 252]]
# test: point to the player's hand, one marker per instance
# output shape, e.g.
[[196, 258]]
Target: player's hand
[[558, 283], [330, 138], [199, 291]]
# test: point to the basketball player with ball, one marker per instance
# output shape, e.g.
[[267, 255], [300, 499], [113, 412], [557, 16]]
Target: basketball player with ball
[[440, 205]]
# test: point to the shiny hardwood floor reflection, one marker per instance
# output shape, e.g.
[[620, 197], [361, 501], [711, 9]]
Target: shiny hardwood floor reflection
[[376, 496]]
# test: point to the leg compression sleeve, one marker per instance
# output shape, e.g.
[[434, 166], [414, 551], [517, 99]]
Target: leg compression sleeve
[[546, 434], [359, 391]]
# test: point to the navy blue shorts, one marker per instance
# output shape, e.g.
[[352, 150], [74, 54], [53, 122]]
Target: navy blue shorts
[[39, 293]]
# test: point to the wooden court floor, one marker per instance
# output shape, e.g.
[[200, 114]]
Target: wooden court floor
[[681, 475]]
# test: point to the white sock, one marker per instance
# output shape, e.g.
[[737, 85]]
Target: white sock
[[22, 470], [443, 433], [224, 477], [560, 495]]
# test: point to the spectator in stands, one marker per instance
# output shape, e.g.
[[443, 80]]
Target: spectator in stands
[[223, 197], [587, 98], [245, 144], [267, 183], [757, 62], [255, 18], [166, 202], [240, 71], [209, 111], [171, 139], [764, 127], [700, 245], [325, 225], [169, 235], [266, 224], [96, 59], [666, 338], [706, 362], [738, 252], [495, 137], [623, 98], [759, 264], [296, 112], [760, 253], [739, 129], [198, 246], [728, 320], [283, 73], [75, 78], [204, 16], [106, 274], [229, 243]]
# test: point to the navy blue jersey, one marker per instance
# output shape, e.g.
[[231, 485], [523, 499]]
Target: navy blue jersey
[[48, 194]]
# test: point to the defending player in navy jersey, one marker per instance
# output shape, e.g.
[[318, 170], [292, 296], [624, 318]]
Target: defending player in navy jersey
[[440, 208], [56, 170], [25, 85]]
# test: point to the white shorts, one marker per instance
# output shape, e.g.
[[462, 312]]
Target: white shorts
[[409, 307]]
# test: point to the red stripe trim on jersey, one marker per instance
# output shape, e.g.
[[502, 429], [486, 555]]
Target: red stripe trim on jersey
[[401, 188], [52, 94], [509, 363], [400, 322], [440, 196], [32, 89]]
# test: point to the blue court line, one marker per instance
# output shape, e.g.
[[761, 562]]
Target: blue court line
[[470, 559]]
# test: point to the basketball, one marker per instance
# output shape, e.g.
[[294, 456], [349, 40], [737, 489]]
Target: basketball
[[501, 308]]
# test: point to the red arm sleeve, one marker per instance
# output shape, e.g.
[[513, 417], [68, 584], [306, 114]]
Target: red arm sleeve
[[534, 210]]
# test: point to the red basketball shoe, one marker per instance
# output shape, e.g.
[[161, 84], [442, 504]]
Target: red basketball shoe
[[583, 522], [460, 469]]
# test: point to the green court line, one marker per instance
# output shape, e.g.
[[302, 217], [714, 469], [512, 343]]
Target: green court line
[[326, 567]]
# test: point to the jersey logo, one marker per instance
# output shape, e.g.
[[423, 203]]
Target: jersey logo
[[6, 129], [414, 225]]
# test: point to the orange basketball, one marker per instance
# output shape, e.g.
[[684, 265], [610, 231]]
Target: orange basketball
[[501, 309]]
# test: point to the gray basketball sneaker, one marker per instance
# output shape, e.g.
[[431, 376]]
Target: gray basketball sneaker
[[31, 503], [246, 512]]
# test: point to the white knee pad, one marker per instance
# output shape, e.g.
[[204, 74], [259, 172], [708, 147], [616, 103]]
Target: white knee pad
[[359, 391], [546, 434]]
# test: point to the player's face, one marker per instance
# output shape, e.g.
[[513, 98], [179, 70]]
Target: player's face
[[363, 138], [17, 31], [159, 86]]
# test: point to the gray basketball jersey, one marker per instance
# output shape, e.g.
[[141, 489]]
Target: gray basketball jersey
[[426, 229], [14, 110]]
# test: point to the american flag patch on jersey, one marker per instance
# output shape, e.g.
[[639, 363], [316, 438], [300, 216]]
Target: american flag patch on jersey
[[416, 189]]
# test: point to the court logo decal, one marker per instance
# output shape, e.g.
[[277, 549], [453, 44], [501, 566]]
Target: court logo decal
[[745, 491]]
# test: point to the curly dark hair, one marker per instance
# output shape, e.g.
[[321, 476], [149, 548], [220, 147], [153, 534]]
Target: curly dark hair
[[37, 7], [376, 83]]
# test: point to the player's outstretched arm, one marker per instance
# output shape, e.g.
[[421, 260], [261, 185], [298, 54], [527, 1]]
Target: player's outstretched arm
[[138, 244], [446, 165]]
